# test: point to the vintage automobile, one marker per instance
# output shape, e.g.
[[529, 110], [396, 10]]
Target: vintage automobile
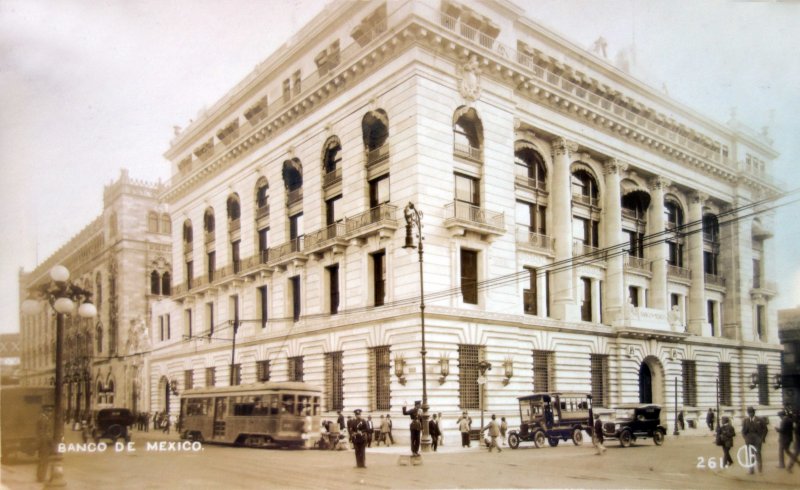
[[551, 417], [635, 421], [109, 423]]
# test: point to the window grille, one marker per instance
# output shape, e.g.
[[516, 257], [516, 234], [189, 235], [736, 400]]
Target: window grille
[[236, 374], [262, 371], [296, 368], [599, 380], [380, 378], [725, 383], [188, 379], [542, 371], [689, 372], [334, 381], [211, 376], [468, 358], [763, 385]]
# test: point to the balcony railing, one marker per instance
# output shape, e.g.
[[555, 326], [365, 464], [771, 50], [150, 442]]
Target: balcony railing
[[381, 214], [294, 196], [262, 211], [527, 237], [678, 272], [586, 200], [638, 263], [715, 280], [284, 250], [579, 248], [466, 212], [376, 155], [467, 151], [633, 215], [525, 181], [324, 237], [332, 177]]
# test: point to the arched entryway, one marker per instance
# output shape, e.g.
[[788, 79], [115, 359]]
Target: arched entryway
[[651, 381], [163, 394]]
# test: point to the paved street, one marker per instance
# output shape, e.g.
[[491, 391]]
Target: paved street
[[674, 465]]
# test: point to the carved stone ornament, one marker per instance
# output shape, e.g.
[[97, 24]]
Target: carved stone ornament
[[659, 183], [561, 146], [469, 85]]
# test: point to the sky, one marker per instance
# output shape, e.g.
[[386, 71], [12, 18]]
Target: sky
[[88, 87]]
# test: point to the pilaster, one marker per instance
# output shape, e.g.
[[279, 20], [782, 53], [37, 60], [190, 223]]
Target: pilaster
[[564, 305], [657, 253], [613, 302], [697, 307]]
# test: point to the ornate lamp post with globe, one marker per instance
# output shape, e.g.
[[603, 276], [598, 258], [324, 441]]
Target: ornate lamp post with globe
[[62, 296]]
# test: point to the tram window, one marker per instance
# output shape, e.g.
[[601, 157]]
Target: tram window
[[273, 404], [316, 405], [288, 404]]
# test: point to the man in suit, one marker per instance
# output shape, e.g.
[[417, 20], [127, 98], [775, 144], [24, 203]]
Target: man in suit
[[370, 430], [433, 430], [359, 438], [416, 426], [785, 431], [754, 431], [597, 435], [464, 425], [340, 420]]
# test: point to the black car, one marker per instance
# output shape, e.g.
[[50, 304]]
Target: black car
[[552, 417], [635, 421], [110, 423]]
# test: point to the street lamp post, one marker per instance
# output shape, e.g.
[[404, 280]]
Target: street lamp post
[[62, 296], [414, 218]]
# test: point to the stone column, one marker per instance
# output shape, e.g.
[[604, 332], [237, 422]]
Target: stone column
[[697, 291], [614, 302], [657, 254], [564, 305]]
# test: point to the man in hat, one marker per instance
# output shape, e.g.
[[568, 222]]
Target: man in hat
[[44, 434], [415, 427], [359, 438], [725, 436], [464, 424], [785, 429], [754, 431]]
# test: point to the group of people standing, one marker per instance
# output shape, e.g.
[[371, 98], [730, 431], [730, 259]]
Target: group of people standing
[[754, 431]]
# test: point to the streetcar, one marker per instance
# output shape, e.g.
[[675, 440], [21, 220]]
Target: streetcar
[[272, 414]]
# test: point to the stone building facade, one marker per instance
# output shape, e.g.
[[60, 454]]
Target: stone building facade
[[124, 258], [582, 231], [789, 331]]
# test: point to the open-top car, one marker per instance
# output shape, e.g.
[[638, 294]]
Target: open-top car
[[635, 421], [110, 423], [551, 417]]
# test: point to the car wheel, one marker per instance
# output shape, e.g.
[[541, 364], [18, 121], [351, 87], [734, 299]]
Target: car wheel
[[577, 437], [553, 441], [513, 440], [658, 437], [539, 439], [625, 438]]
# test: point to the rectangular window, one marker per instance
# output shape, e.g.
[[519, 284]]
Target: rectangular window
[[543, 371], [378, 191], [710, 263], [586, 303], [235, 259], [263, 244], [468, 190], [287, 90], [633, 296], [689, 372], [236, 374], [333, 211], [763, 385], [675, 256], [161, 328], [725, 384], [547, 292], [379, 278], [188, 379], [381, 377], [529, 296], [210, 318], [599, 380], [169, 326], [469, 393], [211, 376], [760, 321], [187, 323], [294, 286], [261, 293], [333, 288], [756, 273], [469, 276], [262, 371], [189, 274], [295, 368], [296, 226], [712, 320], [334, 381], [211, 262], [233, 310], [532, 216]]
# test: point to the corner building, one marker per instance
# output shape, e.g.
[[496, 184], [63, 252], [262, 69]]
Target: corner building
[[529, 157]]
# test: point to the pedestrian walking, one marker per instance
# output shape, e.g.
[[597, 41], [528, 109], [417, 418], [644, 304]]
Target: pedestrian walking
[[754, 431], [785, 432], [493, 428], [464, 424], [370, 431], [681, 423], [389, 419], [794, 459], [147, 421], [441, 433], [433, 431], [415, 427], [359, 438], [597, 435], [340, 420], [383, 435], [503, 429], [710, 419], [44, 435], [725, 436]]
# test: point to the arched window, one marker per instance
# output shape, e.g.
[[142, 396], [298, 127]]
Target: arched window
[[262, 193], [293, 174], [99, 337], [166, 224], [155, 283], [332, 155], [100, 392], [710, 228], [584, 187], [375, 129], [234, 209], [673, 219], [673, 214], [187, 232], [467, 133], [710, 243], [635, 204], [98, 292], [208, 221], [110, 392], [530, 167], [152, 222], [166, 284]]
